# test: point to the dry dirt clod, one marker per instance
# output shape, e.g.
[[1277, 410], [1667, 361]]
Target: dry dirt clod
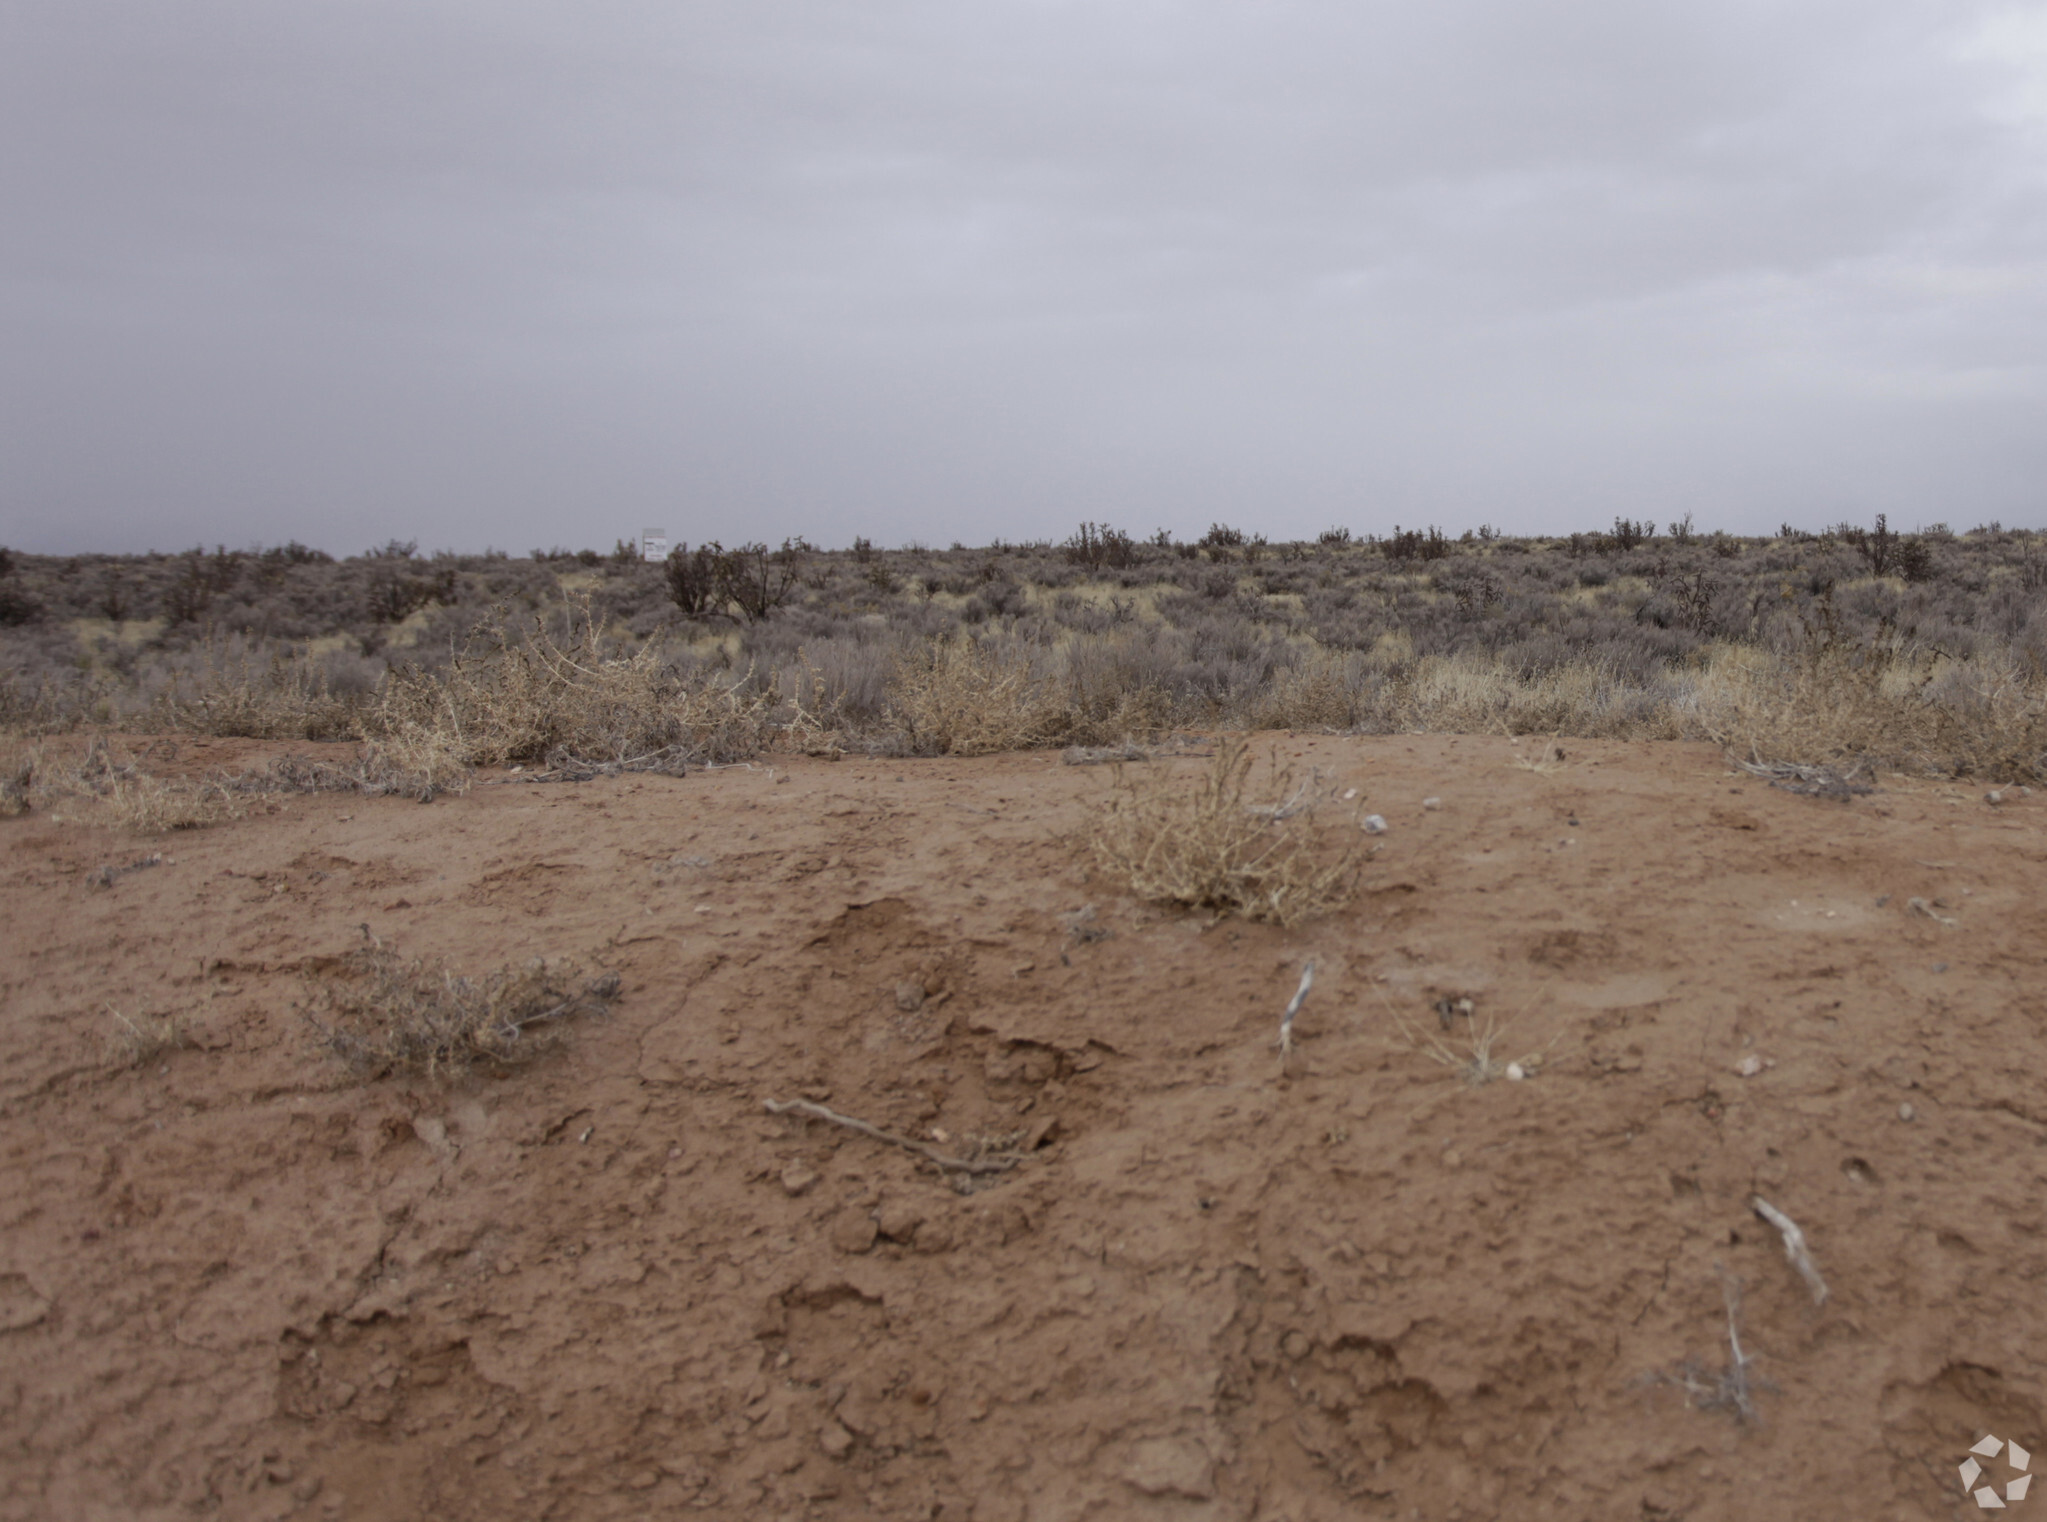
[[899, 1220], [1170, 1466], [854, 1231], [798, 1180]]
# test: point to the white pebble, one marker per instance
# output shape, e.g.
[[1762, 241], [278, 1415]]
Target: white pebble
[[1516, 1072], [1375, 824], [1906, 1112], [1432, 804]]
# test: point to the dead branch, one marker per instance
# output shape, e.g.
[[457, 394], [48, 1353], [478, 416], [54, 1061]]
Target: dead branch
[[564, 766], [1808, 781], [928, 1153], [1922, 907], [1286, 1021], [1794, 1247]]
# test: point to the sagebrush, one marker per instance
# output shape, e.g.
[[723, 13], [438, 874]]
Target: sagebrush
[[1210, 846]]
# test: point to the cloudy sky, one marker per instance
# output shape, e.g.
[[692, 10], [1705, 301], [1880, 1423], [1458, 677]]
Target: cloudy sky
[[494, 272]]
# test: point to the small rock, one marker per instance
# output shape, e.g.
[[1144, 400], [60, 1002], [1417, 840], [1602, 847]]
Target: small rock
[[1994, 797], [854, 1231], [798, 1180], [835, 1440], [646, 1479], [910, 995], [1432, 804], [1516, 1072], [1295, 1345], [1906, 1112], [1375, 824], [1750, 1065]]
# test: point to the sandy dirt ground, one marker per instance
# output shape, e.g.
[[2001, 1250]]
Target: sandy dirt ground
[[235, 1281]]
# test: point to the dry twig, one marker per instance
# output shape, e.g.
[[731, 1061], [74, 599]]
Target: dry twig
[[928, 1153], [563, 766], [1808, 781], [1921, 906], [1794, 1247], [1286, 1021]]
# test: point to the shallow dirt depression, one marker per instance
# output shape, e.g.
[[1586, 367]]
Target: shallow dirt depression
[[235, 1281]]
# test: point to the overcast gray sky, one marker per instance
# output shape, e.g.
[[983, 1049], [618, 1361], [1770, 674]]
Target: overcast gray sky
[[491, 272]]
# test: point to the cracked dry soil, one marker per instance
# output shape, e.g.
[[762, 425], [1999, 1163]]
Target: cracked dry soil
[[235, 1282]]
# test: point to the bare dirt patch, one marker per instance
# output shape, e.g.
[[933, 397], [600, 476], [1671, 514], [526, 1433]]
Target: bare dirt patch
[[237, 1280]]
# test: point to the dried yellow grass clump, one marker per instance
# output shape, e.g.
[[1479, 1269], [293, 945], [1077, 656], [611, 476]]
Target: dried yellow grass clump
[[398, 1014], [111, 786], [137, 801], [1210, 847], [962, 698], [505, 700], [1878, 701]]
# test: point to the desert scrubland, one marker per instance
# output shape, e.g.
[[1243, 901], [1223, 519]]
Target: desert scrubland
[[791, 1033]]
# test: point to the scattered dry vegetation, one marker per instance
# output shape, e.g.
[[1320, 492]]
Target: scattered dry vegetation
[[411, 1015], [1730, 1387], [1467, 1043], [1211, 847], [1925, 652], [136, 1043], [959, 697], [112, 786]]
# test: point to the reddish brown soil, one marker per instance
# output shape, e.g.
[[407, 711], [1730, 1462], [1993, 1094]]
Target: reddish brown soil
[[237, 1282]]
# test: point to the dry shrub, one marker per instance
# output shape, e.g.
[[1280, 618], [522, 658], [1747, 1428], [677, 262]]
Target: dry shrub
[[287, 697], [411, 1015], [412, 760], [115, 787], [505, 700], [1471, 694], [1992, 721], [1210, 847], [1878, 701], [19, 764], [1319, 693], [152, 805], [963, 698]]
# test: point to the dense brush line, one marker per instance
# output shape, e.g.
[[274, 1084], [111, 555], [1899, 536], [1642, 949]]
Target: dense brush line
[[1795, 646]]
